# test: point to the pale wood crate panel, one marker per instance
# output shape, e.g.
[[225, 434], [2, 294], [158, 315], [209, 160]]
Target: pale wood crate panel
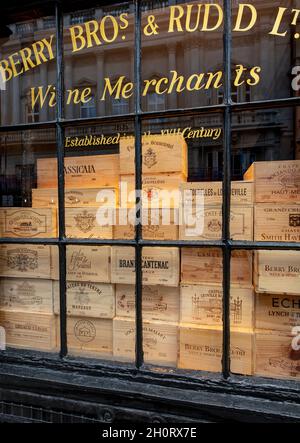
[[160, 266], [74, 198], [241, 193], [277, 354], [205, 265], [157, 224], [80, 172], [200, 348], [277, 222], [26, 261], [277, 312], [209, 223], [124, 331], [160, 154], [85, 299], [159, 302], [275, 181], [83, 223], [122, 231], [88, 263], [54, 261], [160, 190], [90, 336], [277, 272], [22, 294], [28, 223], [29, 330], [203, 305], [160, 341]]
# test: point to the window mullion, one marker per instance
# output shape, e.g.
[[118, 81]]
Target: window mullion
[[138, 185], [61, 180], [226, 189]]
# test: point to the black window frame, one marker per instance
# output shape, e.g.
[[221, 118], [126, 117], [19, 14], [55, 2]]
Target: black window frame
[[225, 381]]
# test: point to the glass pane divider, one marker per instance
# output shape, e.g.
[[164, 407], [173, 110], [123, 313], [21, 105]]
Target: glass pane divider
[[226, 189], [61, 176], [139, 359]]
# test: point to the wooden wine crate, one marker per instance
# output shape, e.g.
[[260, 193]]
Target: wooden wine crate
[[160, 154], [28, 222], [29, 330], [124, 228], [157, 224], [54, 261], [88, 263], [277, 312], [275, 181], [33, 295], [75, 198], [90, 336], [277, 272], [200, 348], [202, 304], [205, 265], [159, 302], [160, 341], [25, 261], [242, 193], [159, 190], [277, 354], [206, 224], [160, 266], [124, 333], [80, 172], [85, 223], [85, 299], [277, 222]]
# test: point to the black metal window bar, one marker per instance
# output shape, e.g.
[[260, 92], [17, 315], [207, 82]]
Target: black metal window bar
[[226, 244]]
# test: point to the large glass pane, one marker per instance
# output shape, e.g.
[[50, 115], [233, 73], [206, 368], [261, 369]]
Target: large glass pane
[[29, 297], [182, 54], [265, 316], [265, 50], [28, 66], [93, 326], [266, 155], [200, 320], [95, 191], [99, 60], [182, 170], [23, 213]]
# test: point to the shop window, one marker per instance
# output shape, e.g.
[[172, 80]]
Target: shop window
[[171, 253]]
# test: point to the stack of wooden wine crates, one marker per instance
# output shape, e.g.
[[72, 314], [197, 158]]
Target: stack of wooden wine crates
[[90, 182], [200, 337], [164, 170], [277, 273], [29, 287], [26, 296], [182, 289], [26, 279]]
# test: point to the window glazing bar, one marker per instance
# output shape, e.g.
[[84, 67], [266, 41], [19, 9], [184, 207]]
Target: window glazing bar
[[232, 244], [61, 177], [226, 189], [138, 186]]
